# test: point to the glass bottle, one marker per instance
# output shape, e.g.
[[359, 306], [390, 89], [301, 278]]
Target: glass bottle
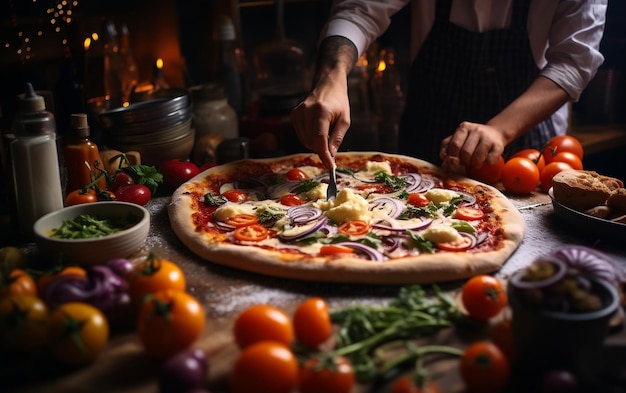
[[211, 112], [81, 156], [35, 161], [130, 71], [112, 67], [229, 72]]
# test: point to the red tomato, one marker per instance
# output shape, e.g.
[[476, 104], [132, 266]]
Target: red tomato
[[502, 335], [407, 384], [484, 368], [234, 195], [241, 220], [16, 282], [483, 297], [569, 158], [177, 171], [263, 322], [520, 176], [154, 275], [488, 173], [168, 322], [549, 171], [291, 200], [461, 244], [534, 155], [23, 323], [251, 233], [78, 332], [207, 165], [469, 213], [119, 180], [78, 197], [311, 322], [265, 367], [296, 174], [335, 377], [560, 144], [138, 194], [331, 249], [417, 200], [354, 228]]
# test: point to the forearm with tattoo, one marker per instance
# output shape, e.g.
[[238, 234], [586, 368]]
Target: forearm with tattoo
[[335, 52]]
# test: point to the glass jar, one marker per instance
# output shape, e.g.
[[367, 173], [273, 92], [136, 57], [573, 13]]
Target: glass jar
[[211, 112]]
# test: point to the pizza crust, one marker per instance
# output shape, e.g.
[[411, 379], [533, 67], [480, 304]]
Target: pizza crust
[[420, 269]]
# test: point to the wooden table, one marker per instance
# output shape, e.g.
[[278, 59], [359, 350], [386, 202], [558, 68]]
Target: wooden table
[[225, 292]]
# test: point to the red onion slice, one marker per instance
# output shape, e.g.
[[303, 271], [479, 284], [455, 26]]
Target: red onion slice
[[517, 279], [302, 214], [424, 185], [363, 250], [395, 225], [467, 199], [389, 206], [413, 181], [319, 224], [391, 243], [275, 191], [587, 260]]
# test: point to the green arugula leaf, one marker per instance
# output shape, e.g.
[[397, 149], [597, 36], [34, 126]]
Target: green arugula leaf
[[420, 243], [213, 200], [394, 182]]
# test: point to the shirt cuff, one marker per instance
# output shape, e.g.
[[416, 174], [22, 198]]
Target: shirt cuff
[[344, 28]]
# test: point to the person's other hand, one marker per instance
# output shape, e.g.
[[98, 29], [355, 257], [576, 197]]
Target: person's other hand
[[322, 119], [472, 144]]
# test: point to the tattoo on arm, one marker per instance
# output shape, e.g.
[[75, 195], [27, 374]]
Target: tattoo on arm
[[334, 51]]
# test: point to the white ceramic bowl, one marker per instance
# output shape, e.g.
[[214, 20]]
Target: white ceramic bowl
[[92, 251]]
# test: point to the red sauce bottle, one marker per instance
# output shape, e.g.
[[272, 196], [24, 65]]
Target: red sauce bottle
[[81, 156]]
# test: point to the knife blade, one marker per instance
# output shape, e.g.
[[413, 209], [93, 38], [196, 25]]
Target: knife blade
[[331, 192]]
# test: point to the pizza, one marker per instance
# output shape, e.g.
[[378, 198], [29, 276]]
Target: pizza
[[395, 220]]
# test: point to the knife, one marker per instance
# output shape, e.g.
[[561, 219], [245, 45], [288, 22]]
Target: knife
[[331, 192]]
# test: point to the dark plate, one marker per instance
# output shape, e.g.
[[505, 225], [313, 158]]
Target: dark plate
[[592, 226]]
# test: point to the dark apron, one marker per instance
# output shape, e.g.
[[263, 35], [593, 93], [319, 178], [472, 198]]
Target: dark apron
[[460, 75]]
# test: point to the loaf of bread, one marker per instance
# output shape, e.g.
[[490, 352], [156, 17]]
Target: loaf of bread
[[581, 190], [617, 200]]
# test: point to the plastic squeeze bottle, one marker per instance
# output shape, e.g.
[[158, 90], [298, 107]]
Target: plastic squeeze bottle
[[35, 161], [81, 156]]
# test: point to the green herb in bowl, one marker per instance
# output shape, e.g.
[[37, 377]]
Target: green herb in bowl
[[86, 226]]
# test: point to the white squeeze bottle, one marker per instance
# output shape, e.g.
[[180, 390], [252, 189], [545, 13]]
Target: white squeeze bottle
[[35, 161]]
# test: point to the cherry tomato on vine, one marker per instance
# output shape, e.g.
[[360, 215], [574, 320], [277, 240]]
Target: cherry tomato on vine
[[78, 197], [334, 375], [484, 368], [16, 282], [263, 322], [251, 233], [265, 367], [562, 143], [177, 171], [407, 384], [520, 176], [312, 323], [169, 321], [417, 200], [77, 333], [354, 228], [296, 174], [534, 155], [120, 179], [488, 173], [234, 195], [154, 275], [23, 323], [291, 200], [483, 297], [138, 194], [569, 158], [549, 171], [242, 220]]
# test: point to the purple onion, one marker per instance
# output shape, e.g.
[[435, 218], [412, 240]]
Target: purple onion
[[413, 180], [120, 266], [275, 191], [472, 237], [223, 226], [587, 261], [467, 199], [319, 224], [303, 214], [185, 371], [361, 249], [391, 243], [425, 185], [390, 206]]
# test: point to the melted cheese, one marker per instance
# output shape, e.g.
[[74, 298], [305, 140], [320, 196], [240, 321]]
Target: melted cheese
[[376, 166], [318, 192], [228, 210], [348, 206], [440, 195], [439, 233]]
